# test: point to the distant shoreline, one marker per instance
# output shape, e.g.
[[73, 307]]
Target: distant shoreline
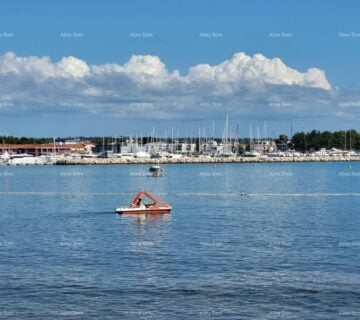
[[185, 160]]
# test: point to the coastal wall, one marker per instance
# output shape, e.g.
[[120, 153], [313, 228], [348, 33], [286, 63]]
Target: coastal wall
[[112, 161]]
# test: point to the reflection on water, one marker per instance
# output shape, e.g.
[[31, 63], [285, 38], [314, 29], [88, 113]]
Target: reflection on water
[[147, 228], [148, 233], [144, 220]]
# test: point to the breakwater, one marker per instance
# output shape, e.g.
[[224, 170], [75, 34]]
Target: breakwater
[[183, 160]]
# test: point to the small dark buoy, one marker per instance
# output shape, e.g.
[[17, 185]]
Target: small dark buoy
[[242, 194]]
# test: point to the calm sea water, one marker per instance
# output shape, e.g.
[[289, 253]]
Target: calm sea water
[[289, 249]]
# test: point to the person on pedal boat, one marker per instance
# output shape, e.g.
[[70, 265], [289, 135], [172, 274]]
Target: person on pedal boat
[[139, 204]]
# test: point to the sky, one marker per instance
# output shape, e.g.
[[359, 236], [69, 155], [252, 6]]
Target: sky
[[73, 68]]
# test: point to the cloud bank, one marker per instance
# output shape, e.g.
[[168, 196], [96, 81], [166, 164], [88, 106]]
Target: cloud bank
[[143, 86], [240, 70]]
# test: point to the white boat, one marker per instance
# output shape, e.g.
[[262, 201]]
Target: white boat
[[93, 156], [52, 159], [176, 156], [4, 158], [128, 155], [156, 170], [225, 154], [142, 154], [28, 160]]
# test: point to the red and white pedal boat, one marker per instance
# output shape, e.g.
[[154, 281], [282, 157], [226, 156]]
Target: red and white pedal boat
[[137, 206]]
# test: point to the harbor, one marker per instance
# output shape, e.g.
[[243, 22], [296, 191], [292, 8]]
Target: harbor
[[207, 147], [132, 151]]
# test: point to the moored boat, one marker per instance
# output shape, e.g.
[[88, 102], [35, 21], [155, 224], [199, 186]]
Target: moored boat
[[156, 170], [27, 159], [139, 206]]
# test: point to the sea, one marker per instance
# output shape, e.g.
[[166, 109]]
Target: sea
[[243, 241]]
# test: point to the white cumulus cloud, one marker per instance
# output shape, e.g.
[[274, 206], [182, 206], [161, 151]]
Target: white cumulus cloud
[[72, 67], [241, 83], [242, 69], [42, 68]]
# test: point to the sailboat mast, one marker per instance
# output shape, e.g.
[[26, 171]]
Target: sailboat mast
[[345, 141], [250, 140], [350, 139], [199, 138]]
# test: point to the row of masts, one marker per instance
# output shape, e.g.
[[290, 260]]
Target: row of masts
[[206, 135]]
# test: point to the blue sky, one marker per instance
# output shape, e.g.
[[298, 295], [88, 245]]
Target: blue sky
[[309, 38]]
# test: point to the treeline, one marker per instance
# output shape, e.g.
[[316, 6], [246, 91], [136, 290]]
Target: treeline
[[24, 140], [315, 140], [30, 140]]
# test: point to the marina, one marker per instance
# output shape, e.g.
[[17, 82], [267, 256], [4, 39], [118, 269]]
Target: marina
[[205, 148], [156, 151]]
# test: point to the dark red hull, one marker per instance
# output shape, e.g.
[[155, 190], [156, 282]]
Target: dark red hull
[[143, 211]]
